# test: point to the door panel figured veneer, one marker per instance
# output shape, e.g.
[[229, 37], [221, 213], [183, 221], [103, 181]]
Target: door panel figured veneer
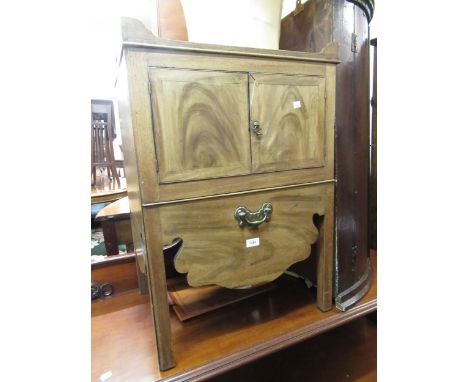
[[290, 111], [201, 122]]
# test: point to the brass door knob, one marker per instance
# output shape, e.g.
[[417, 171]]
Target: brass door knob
[[255, 127]]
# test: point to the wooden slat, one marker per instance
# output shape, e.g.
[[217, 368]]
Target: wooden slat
[[191, 302]]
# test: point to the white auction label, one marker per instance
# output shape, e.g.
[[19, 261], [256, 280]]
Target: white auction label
[[105, 376], [297, 104], [255, 242]]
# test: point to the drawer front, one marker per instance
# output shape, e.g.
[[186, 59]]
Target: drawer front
[[272, 231]]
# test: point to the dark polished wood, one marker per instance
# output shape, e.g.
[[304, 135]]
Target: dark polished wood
[[347, 353], [115, 223], [219, 341], [373, 170], [337, 20], [110, 237]]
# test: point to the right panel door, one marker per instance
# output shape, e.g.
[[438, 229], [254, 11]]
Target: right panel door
[[287, 122]]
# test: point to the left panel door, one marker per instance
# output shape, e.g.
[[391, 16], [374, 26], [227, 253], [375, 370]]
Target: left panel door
[[201, 123]]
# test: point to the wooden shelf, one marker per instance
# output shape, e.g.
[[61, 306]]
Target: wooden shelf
[[123, 341]]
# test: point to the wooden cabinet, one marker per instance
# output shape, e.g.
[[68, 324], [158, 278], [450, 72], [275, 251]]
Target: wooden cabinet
[[231, 150], [346, 22]]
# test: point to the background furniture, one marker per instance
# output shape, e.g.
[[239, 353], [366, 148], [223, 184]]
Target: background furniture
[[347, 23], [115, 222], [247, 203], [102, 137]]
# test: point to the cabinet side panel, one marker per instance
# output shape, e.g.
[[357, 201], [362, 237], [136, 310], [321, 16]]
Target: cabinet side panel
[[139, 149], [131, 171], [141, 118]]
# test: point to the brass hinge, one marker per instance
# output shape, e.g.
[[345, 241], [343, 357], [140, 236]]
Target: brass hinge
[[354, 42]]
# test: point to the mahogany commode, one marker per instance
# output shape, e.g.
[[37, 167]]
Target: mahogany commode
[[231, 150]]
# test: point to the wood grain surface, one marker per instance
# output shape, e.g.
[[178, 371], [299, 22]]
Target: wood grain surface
[[201, 124], [158, 289], [116, 210], [188, 302], [347, 353], [290, 111], [310, 30], [127, 120], [214, 248]]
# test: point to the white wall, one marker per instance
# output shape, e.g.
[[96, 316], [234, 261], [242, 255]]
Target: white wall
[[106, 15]]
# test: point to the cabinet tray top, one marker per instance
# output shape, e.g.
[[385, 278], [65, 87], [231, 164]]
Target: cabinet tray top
[[135, 34]]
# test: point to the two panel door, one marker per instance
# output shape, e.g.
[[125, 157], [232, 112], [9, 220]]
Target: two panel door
[[211, 124]]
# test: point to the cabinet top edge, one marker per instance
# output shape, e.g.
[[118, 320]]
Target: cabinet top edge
[[136, 35]]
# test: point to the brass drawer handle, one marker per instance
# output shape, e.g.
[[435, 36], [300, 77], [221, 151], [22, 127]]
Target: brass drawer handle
[[253, 219]]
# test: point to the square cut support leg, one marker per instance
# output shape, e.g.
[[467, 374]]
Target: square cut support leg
[[325, 264]]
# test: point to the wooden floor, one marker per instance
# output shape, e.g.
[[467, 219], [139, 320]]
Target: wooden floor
[[225, 341], [347, 353]]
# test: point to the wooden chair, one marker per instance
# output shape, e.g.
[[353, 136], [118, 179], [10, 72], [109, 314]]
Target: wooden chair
[[102, 149]]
